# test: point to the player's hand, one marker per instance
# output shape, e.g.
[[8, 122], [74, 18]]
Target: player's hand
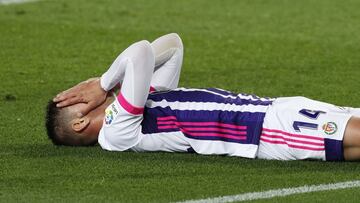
[[89, 92]]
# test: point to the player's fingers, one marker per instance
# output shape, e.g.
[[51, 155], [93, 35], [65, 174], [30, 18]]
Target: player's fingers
[[86, 109], [70, 101], [64, 95], [72, 92], [58, 97]]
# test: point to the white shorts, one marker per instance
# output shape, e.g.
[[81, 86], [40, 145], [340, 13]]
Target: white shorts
[[300, 128]]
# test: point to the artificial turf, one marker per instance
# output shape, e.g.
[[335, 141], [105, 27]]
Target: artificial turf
[[267, 47]]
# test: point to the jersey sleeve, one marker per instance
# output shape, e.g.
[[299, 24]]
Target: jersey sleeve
[[168, 51], [121, 129]]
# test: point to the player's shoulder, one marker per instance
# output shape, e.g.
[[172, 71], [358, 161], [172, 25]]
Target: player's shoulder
[[120, 130]]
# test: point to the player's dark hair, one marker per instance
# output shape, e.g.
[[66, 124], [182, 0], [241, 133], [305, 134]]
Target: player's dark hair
[[57, 130], [52, 123]]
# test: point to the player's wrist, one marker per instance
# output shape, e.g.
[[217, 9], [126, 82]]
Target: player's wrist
[[98, 82], [103, 84]]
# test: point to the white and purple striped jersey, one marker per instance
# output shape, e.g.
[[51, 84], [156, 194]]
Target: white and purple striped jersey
[[209, 121], [205, 121]]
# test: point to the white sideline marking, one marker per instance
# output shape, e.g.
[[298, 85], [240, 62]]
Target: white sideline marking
[[277, 193], [6, 2]]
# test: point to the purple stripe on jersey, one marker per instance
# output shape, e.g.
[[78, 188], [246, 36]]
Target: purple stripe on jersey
[[228, 93], [222, 92], [334, 150], [189, 121], [202, 96]]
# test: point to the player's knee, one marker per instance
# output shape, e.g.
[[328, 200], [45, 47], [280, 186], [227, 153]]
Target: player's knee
[[142, 47], [175, 40], [141, 52]]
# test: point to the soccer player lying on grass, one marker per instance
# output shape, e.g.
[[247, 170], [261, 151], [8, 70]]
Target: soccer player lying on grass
[[205, 121]]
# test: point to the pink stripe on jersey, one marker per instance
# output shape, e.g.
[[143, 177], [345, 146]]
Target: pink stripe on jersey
[[292, 140], [152, 89], [217, 129], [168, 127], [216, 135], [291, 145], [166, 118], [171, 120], [194, 129], [129, 107], [166, 122], [293, 135], [213, 134], [203, 129]]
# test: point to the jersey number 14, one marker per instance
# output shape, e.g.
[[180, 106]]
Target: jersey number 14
[[312, 114]]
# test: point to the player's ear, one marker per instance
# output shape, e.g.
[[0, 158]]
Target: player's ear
[[79, 124]]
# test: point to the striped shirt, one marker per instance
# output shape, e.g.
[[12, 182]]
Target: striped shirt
[[205, 121]]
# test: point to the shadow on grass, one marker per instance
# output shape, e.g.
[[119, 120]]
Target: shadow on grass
[[91, 166], [46, 151]]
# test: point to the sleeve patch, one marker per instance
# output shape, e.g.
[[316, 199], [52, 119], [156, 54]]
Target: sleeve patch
[[110, 113]]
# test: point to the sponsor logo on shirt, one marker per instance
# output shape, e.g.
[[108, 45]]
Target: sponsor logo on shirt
[[110, 113], [109, 117], [330, 128], [114, 109]]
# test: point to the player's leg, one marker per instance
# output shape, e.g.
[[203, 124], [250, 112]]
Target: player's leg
[[351, 140], [139, 67], [122, 129], [136, 55], [168, 50], [134, 66]]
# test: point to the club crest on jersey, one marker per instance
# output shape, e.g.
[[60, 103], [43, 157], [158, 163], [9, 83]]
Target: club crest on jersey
[[329, 128]]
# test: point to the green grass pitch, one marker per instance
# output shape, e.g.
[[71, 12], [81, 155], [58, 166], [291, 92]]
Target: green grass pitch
[[267, 47]]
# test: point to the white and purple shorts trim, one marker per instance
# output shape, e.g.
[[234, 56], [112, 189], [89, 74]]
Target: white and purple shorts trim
[[297, 128]]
